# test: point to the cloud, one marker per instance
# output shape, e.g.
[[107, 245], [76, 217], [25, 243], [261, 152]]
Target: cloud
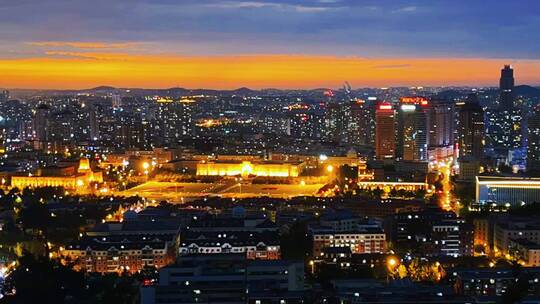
[[86, 55], [462, 28], [406, 9], [275, 5], [83, 45], [392, 66]]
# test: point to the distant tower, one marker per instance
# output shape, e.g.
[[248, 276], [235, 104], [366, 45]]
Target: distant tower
[[471, 128], [505, 122], [385, 141], [506, 86]]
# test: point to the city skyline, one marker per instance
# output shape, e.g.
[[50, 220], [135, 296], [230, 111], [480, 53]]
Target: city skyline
[[269, 151], [264, 44]]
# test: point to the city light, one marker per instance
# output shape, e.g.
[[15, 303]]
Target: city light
[[408, 108]]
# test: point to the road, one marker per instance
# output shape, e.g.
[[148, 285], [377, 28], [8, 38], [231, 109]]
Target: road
[[446, 199]]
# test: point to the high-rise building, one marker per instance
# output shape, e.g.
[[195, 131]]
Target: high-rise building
[[276, 124], [359, 121], [533, 137], [385, 140], [470, 128], [301, 122], [168, 117], [504, 124], [334, 122], [504, 129], [131, 131], [186, 123], [116, 101], [95, 112], [60, 129], [506, 86], [3, 135], [41, 126], [413, 122], [441, 129], [176, 117], [104, 124]]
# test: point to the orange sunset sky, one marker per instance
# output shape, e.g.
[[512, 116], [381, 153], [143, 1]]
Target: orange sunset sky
[[76, 70]]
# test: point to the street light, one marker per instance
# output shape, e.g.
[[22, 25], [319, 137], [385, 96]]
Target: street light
[[391, 264]]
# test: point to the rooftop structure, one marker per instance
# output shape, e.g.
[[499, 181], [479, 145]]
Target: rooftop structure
[[514, 191]]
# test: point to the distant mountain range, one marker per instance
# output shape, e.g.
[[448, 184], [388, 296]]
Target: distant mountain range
[[528, 91], [520, 90], [523, 90]]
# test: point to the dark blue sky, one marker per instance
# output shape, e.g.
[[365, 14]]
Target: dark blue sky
[[459, 28]]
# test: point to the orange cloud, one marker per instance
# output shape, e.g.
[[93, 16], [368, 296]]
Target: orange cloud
[[86, 69], [82, 55], [83, 45]]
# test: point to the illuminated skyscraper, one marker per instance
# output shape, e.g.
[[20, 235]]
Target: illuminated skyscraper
[[533, 137], [471, 128], [385, 137], [413, 122], [504, 123], [60, 129], [301, 122], [176, 119], [359, 123], [334, 121], [185, 124], [441, 129], [3, 136]]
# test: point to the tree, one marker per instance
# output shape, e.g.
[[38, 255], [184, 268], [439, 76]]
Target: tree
[[37, 279], [40, 280], [402, 271], [377, 192], [420, 193], [296, 244]]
